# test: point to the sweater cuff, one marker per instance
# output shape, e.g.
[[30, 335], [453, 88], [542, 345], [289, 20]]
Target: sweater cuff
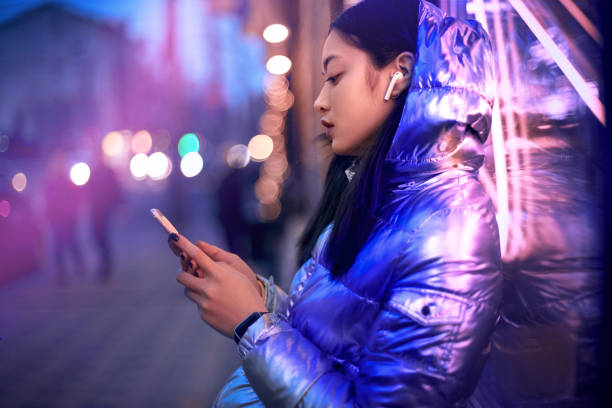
[[266, 325]]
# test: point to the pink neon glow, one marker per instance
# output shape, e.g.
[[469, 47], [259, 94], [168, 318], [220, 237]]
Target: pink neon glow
[[583, 20], [5, 208], [581, 86], [142, 142]]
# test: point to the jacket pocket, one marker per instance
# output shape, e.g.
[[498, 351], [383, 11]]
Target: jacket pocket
[[429, 306]]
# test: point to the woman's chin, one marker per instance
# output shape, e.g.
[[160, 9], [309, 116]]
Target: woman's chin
[[335, 148], [339, 149]]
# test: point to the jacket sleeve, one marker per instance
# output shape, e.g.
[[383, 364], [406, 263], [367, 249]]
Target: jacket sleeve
[[427, 344]]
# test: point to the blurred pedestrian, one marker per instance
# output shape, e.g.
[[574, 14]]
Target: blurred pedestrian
[[233, 199], [247, 234], [104, 196], [63, 205], [23, 252]]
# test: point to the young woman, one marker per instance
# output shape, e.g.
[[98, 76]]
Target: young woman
[[399, 289]]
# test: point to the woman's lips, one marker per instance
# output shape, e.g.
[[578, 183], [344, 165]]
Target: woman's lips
[[328, 127]]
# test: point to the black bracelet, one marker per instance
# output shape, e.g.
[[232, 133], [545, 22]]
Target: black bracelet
[[245, 324]]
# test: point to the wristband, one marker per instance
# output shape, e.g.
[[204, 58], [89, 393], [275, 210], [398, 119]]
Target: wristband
[[244, 325]]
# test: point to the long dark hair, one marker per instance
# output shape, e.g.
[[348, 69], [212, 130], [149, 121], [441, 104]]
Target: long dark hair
[[383, 29]]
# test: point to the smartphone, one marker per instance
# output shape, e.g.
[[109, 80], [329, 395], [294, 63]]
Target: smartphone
[[163, 221], [170, 229]]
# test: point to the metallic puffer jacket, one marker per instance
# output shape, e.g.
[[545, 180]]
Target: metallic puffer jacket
[[409, 324]]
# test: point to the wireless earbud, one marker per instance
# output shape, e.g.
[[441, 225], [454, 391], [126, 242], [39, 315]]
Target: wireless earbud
[[394, 79]]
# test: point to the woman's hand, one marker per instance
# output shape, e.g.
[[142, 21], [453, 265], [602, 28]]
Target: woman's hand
[[224, 294], [218, 255]]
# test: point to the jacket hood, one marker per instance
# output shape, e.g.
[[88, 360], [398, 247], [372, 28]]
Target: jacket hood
[[447, 113]]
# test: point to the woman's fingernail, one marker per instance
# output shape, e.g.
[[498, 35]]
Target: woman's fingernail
[[173, 237]]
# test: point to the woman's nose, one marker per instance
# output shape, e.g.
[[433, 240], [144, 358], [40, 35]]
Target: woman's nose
[[320, 104]]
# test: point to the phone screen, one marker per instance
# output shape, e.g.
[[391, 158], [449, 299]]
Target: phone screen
[[163, 221]]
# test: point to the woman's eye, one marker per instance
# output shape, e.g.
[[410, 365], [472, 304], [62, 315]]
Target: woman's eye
[[332, 79]]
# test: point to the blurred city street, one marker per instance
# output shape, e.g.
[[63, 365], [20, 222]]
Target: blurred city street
[[179, 105], [134, 341]]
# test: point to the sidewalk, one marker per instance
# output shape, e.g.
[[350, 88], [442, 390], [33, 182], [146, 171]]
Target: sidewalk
[[134, 342]]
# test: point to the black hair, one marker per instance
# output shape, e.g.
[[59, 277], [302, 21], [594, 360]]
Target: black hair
[[383, 29]]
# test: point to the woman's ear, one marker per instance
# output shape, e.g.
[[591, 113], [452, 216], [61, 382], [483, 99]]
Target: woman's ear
[[404, 63]]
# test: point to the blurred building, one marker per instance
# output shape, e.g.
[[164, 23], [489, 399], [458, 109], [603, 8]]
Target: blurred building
[[61, 74]]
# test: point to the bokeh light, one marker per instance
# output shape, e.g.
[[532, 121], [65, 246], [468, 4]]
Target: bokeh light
[[266, 190], [142, 142], [113, 144], [281, 102], [275, 84], [19, 182], [275, 33], [139, 166], [278, 65], [192, 164], [79, 173], [187, 144], [269, 212], [276, 167], [271, 122], [4, 143], [238, 156], [159, 166], [260, 147], [5, 208]]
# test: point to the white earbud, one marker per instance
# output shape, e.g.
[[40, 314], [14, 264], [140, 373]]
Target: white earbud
[[394, 79]]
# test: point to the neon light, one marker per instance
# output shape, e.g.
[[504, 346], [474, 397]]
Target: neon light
[[581, 86], [583, 20], [497, 136], [501, 177], [477, 8]]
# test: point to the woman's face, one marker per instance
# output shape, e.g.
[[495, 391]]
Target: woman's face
[[351, 101]]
